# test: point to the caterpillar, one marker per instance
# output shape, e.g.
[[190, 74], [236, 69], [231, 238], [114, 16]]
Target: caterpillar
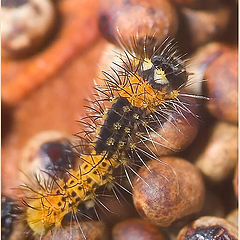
[[133, 101]]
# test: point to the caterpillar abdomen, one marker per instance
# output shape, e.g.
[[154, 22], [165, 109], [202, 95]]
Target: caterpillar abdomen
[[121, 126]]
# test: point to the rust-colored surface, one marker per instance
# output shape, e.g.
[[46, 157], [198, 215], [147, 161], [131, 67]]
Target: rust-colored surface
[[78, 20], [52, 103]]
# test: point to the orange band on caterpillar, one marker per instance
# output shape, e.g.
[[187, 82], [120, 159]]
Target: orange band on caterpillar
[[137, 90]]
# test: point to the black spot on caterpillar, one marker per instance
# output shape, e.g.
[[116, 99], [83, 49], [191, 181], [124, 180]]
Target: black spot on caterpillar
[[140, 92], [120, 121]]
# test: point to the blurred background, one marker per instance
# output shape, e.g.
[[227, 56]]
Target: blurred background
[[51, 52]]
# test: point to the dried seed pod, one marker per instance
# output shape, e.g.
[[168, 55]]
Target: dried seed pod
[[233, 217], [219, 156], [222, 85], [235, 180], [168, 190], [137, 18], [209, 228], [25, 25], [136, 229], [49, 151], [90, 230], [202, 26]]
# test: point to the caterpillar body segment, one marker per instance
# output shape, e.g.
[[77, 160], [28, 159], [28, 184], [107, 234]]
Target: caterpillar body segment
[[133, 101], [48, 208]]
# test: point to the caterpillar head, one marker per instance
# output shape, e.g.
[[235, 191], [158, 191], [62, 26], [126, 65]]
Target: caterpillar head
[[163, 73], [157, 62]]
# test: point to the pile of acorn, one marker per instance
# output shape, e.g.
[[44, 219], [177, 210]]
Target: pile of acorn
[[195, 198]]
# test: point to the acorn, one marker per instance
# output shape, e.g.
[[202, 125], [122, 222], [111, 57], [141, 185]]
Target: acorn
[[124, 19], [222, 87], [168, 191], [209, 228], [219, 155], [136, 229], [26, 25]]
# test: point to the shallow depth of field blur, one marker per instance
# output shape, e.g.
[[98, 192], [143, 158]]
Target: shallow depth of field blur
[[49, 67]]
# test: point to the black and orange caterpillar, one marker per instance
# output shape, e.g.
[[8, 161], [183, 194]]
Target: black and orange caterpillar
[[133, 101]]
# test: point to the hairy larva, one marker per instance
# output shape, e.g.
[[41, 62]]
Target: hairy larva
[[132, 102]]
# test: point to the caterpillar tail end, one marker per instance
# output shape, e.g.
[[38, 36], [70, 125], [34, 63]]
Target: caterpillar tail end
[[35, 220]]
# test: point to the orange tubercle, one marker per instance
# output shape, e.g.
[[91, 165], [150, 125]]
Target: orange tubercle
[[142, 95]]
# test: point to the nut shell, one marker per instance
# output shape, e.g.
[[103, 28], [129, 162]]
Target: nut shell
[[209, 228], [169, 190]]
